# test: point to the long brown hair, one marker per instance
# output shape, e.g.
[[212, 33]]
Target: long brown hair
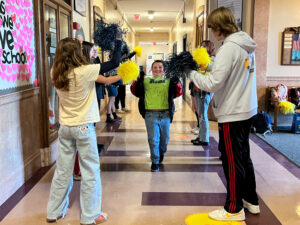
[[223, 21], [68, 56], [86, 50]]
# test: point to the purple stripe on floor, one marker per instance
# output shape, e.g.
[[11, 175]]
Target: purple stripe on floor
[[169, 153], [182, 199], [209, 151], [275, 154], [113, 167], [131, 130]]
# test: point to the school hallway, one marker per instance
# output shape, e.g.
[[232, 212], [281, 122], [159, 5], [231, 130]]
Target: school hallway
[[190, 181]]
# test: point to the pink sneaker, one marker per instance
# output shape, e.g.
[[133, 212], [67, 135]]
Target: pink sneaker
[[100, 219]]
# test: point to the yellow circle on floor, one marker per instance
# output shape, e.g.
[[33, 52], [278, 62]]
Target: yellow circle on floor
[[203, 219]]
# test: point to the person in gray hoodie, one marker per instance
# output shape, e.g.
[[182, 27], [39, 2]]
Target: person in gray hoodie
[[233, 80]]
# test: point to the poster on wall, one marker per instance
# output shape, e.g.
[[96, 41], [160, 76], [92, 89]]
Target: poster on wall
[[79, 6], [17, 45], [236, 7]]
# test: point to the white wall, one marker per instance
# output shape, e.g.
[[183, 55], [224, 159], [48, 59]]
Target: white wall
[[180, 29], [83, 21], [282, 14], [150, 49]]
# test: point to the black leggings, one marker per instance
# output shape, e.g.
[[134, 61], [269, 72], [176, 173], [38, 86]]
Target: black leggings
[[121, 96]]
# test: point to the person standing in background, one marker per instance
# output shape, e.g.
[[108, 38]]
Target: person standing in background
[[112, 92], [121, 98], [202, 99]]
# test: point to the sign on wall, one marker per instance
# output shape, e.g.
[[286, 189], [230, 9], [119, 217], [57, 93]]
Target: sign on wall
[[17, 44]]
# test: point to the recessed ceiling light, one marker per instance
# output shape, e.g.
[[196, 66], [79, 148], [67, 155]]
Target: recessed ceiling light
[[151, 29], [150, 14]]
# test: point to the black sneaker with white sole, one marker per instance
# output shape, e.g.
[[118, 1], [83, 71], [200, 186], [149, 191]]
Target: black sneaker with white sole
[[154, 167]]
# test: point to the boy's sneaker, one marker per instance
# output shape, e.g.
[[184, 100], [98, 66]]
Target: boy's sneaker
[[100, 148], [120, 111], [254, 209], [223, 215], [125, 110], [195, 131], [196, 139], [100, 219], [154, 167], [117, 118], [161, 158], [198, 142], [109, 120]]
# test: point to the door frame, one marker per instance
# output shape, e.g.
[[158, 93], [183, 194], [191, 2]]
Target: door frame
[[59, 6]]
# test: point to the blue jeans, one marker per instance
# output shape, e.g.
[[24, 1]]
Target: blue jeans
[[202, 107], [83, 138], [158, 131]]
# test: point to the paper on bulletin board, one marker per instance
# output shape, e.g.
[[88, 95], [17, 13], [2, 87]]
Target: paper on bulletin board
[[17, 45]]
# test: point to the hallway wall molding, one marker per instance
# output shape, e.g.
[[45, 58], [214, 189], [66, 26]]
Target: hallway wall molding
[[287, 80]]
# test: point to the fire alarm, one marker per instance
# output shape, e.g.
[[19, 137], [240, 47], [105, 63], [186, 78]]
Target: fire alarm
[[75, 26], [137, 17]]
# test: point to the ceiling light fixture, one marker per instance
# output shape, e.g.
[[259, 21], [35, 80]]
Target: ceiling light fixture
[[150, 14], [151, 29]]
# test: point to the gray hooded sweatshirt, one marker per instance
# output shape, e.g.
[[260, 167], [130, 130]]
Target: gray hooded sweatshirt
[[232, 79]]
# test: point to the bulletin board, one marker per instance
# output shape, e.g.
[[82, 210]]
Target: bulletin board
[[17, 46], [290, 47]]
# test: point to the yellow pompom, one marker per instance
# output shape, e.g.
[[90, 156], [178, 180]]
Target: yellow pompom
[[204, 73], [201, 57], [286, 107], [138, 51], [203, 219], [129, 71]]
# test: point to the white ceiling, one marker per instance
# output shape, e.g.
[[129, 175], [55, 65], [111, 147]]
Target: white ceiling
[[165, 13]]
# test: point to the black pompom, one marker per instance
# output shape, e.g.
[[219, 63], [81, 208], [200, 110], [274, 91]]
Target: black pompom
[[177, 64], [124, 49], [105, 35]]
